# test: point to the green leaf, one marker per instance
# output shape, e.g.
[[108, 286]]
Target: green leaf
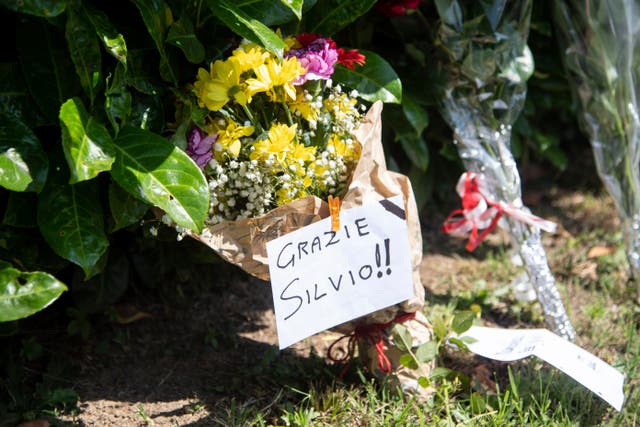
[[112, 40], [330, 16], [154, 170], [375, 80], [20, 212], [25, 293], [402, 337], [23, 163], [439, 373], [43, 8], [71, 221], [439, 328], [182, 34], [477, 402], [158, 18], [86, 143], [85, 52], [460, 343], [427, 351], [15, 99], [295, 6], [117, 103], [424, 382], [408, 361], [272, 13], [47, 68], [462, 321], [125, 209], [415, 114], [246, 26], [416, 149]]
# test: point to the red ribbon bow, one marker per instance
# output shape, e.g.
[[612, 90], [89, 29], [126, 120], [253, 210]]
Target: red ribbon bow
[[373, 334], [480, 212]]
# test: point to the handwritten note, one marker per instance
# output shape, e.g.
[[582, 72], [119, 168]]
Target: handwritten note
[[321, 278], [513, 344]]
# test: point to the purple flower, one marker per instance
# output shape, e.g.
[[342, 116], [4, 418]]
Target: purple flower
[[317, 58], [199, 148]]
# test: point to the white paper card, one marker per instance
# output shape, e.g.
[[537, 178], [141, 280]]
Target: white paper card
[[321, 278], [512, 344]]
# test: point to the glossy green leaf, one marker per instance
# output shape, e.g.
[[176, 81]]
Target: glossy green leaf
[[158, 18], [246, 26], [117, 103], [154, 170], [462, 321], [416, 115], [376, 80], [271, 12], [43, 8], [112, 40], [23, 162], [416, 149], [25, 293], [48, 71], [182, 34], [71, 220], [330, 16], [295, 6], [141, 72], [426, 352], [424, 382], [147, 112], [15, 99], [85, 52], [86, 143], [125, 209], [20, 212]]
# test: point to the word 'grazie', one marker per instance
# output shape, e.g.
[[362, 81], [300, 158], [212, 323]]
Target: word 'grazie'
[[292, 251]]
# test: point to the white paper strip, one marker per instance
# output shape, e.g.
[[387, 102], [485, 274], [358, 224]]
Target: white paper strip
[[513, 344]]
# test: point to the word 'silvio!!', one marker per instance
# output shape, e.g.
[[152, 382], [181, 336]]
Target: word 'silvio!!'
[[296, 291]]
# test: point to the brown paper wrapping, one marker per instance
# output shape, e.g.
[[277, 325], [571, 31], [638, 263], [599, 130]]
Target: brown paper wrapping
[[243, 242]]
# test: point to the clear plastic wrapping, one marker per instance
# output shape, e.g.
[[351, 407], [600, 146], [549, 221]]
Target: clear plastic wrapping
[[486, 64], [601, 42]]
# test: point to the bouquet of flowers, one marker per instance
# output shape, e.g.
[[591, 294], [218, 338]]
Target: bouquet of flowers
[[486, 63], [277, 129], [601, 51], [275, 138]]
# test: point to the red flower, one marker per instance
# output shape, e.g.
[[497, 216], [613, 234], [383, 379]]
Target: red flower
[[350, 57], [306, 39], [396, 7]]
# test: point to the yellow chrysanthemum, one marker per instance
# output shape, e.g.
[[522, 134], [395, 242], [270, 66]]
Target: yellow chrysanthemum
[[229, 139], [220, 85], [250, 58], [299, 152], [304, 107], [274, 73], [277, 144], [337, 146]]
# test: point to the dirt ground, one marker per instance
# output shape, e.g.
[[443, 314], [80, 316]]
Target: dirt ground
[[188, 364]]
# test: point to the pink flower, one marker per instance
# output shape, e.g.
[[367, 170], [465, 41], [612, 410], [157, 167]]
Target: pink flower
[[199, 147], [318, 57]]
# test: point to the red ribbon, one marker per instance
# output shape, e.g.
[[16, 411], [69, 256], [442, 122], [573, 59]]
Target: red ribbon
[[480, 212], [373, 334]]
